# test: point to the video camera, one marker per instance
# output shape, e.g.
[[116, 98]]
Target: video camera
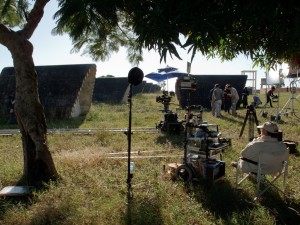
[[187, 83], [166, 97]]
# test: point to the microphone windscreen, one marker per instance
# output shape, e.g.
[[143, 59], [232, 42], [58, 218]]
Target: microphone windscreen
[[135, 76]]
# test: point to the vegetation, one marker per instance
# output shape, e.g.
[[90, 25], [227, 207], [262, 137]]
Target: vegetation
[[266, 31], [93, 187]]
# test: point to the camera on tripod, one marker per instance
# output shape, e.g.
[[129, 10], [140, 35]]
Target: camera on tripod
[[187, 83]]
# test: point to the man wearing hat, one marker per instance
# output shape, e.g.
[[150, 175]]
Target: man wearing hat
[[267, 142]]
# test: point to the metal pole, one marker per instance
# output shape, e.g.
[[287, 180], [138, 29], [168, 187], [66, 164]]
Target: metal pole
[[129, 175]]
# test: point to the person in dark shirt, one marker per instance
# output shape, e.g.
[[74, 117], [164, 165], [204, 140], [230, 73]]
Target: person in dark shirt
[[245, 95], [270, 94], [227, 99]]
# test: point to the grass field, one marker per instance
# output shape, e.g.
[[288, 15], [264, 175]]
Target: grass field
[[93, 188]]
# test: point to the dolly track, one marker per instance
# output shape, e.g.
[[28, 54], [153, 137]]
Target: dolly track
[[84, 131]]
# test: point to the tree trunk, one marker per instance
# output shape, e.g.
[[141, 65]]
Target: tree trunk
[[38, 162]]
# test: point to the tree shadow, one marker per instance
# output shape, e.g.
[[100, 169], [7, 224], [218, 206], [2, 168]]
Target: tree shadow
[[224, 202], [175, 140], [9, 202], [284, 209], [219, 197]]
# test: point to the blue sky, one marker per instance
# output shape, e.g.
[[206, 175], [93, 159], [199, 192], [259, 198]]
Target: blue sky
[[55, 50]]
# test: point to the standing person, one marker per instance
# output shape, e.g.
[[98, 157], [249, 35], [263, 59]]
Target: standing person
[[245, 97], [227, 99], [270, 94], [234, 99], [212, 103], [217, 98]]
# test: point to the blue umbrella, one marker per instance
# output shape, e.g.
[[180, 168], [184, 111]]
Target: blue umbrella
[[165, 74]]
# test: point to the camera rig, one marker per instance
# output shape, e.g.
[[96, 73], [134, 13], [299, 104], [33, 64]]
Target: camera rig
[[203, 142], [170, 124], [202, 146], [165, 99], [188, 83]]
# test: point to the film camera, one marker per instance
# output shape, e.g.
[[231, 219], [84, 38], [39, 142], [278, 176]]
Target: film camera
[[187, 83], [170, 124], [165, 97]]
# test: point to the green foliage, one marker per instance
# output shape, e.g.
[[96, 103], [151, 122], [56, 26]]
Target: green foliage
[[100, 27], [93, 188], [12, 12], [258, 29], [265, 31]]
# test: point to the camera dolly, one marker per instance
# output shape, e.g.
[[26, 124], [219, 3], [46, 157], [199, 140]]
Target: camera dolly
[[200, 154]]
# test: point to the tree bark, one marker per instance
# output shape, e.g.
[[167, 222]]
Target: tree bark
[[38, 163]]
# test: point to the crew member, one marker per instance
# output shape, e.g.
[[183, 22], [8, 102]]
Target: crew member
[[270, 94], [217, 99], [234, 99], [267, 142]]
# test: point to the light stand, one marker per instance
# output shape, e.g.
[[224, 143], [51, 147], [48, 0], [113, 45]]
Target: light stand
[[129, 174], [290, 103], [135, 77]]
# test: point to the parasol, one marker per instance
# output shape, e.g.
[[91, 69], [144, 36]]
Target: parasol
[[165, 74]]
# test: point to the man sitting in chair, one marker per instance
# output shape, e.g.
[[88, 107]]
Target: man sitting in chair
[[267, 143]]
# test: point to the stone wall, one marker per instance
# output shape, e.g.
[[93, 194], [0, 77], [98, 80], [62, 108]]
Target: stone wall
[[116, 89], [65, 90]]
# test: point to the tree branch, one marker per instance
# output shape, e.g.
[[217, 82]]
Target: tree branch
[[34, 18], [5, 34]]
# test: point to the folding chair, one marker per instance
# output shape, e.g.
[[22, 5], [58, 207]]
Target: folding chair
[[265, 173]]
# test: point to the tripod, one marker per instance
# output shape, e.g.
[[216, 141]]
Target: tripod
[[290, 103], [251, 117]]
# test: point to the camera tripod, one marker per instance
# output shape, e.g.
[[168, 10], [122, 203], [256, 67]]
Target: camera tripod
[[251, 118]]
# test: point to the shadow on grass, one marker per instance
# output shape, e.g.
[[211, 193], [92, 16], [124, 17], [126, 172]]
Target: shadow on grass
[[285, 210], [175, 140], [143, 212], [219, 197], [7, 203], [226, 203]]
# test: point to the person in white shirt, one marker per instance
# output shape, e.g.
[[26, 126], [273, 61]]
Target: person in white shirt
[[267, 142], [234, 99], [217, 99]]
